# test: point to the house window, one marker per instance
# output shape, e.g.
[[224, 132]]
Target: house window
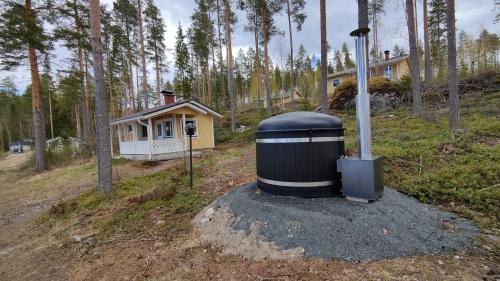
[[144, 131], [165, 128], [159, 131], [130, 129], [169, 129], [388, 72], [336, 82], [195, 124]]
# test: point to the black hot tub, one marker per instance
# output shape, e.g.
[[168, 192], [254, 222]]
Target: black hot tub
[[297, 154]]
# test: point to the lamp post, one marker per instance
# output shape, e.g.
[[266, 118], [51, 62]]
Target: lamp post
[[190, 130]]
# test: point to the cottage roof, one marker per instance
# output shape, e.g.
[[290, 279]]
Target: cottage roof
[[377, 64], [22, 142], [190, 103]]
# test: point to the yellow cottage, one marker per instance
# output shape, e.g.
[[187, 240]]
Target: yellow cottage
[[158, 133]]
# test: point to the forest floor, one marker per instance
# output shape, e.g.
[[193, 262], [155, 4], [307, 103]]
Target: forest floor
[[54, 226]]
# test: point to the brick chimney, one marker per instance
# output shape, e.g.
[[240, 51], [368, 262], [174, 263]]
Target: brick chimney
[[168, 97], [387, 54]]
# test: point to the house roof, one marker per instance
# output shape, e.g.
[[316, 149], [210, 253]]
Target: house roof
[[196, 106], [377, 64], [22, 142]]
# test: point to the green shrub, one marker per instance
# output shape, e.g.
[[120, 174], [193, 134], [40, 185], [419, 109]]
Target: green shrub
[[405, 83]]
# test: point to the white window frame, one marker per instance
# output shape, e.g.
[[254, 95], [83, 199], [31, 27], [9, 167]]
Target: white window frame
[[162, 123], [195, 136], [388, 72], [140, 133], [333, 82]]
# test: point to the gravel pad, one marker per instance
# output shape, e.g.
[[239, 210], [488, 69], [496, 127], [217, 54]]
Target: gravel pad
[[332, 228]]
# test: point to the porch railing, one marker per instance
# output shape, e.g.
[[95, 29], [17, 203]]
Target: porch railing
[[159, 147], [134, 147], [167, 146]]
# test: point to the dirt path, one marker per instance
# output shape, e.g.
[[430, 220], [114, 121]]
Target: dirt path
[[24, 196]]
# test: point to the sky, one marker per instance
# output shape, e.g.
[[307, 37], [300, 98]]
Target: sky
[[471, 15]]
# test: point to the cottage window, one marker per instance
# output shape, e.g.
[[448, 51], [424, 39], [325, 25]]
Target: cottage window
[[388, 72], [169, 129], [336, 82], [159, 131], [130, 129], [144, 131]]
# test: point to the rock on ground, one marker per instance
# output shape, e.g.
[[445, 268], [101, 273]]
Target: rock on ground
[[257, 225]]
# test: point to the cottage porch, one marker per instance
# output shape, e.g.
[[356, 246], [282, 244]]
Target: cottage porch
[[159, 138]]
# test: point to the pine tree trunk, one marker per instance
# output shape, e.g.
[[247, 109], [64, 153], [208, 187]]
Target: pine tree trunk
[[131, 83], [292, 73], [37, 101], [83, 100], [1, 141], [77, 121], [415, 69], [452, 67], [50, 113], [227, 19], [221, 63], [427, 51], [143, 56], [158, 79], [257, 64], [101, 104], [83, 89], [324, 55], [269, 100], [209, 84]]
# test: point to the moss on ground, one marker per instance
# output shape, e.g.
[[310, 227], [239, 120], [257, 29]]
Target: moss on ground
[[431, 163], [161, 201]]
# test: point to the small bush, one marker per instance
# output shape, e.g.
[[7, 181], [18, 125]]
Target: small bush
[[405, 83]]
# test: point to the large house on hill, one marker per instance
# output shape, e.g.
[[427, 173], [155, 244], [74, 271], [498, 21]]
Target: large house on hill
[[390, 68], [159, 134]]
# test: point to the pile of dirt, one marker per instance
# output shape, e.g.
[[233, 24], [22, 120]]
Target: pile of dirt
[[384, 95], [257, 225]]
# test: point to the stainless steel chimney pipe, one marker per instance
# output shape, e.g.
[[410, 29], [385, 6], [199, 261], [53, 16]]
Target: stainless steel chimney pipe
[[363, 99]]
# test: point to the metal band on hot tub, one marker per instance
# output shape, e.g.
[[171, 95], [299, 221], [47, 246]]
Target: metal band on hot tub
[[296, 140], [295, 184]]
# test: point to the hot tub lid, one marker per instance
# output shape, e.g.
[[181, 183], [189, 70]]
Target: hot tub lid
[[302, 120]]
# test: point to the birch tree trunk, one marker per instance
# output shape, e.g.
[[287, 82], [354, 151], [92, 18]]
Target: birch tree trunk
[[101, 104], [324, 55], [452, 67], [415, 69], [427, 47], [143, 55], [227, 19], [37, 102]]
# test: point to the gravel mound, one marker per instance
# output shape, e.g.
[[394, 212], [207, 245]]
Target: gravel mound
[[257, 225]]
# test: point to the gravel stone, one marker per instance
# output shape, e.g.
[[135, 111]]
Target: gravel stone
[[334, 228]]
